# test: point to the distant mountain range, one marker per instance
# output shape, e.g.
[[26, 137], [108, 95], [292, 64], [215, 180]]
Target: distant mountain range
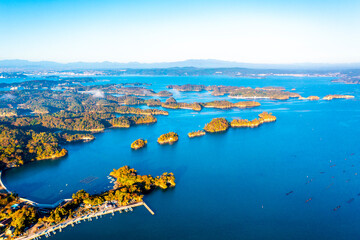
[[196, 63]]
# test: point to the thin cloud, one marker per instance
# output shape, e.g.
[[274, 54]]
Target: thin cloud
[[96, 93], [7, 96]]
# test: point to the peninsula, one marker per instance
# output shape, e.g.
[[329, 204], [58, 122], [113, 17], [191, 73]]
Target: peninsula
[[28, 220]]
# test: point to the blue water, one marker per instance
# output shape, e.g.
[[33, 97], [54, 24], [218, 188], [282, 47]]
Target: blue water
[[231, 185]]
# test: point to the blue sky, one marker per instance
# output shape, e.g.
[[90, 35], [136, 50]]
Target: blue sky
[[258, 31]]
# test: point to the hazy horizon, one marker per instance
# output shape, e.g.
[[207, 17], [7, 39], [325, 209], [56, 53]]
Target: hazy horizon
[[181, 60]]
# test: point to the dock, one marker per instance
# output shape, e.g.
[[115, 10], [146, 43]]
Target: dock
[[149, 209], [52, 230]]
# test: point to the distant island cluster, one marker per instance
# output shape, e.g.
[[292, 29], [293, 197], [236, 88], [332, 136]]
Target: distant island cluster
[[216, 125], [44, 115], [327, 97], [167, 138], [274, 93], [27, 69], [348, 79]]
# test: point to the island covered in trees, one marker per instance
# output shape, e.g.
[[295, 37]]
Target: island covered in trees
[[196, 134], [168, 138], [139, 143], [338, 96], [221, 124], [263, 118], [311, 98], [217, 125], [39, 117]]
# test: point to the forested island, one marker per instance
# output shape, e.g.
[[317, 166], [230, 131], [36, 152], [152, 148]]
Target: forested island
[[19, 217], [263, 118], [276, 93], [168, 138], [18, 146], [139, 143], [338, 96], [348, 79], [38, 118], [196, 134], [311, 98], [32, 138], [267, 117], [221, 124], [217, 125], [173, 104]]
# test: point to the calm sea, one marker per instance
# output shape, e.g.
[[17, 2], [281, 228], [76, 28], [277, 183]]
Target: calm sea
[[231, 185]]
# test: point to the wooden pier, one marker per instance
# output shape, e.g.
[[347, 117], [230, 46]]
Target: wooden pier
[[149, 209]]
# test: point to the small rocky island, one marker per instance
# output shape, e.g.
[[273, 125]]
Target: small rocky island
[[263, 118], [217, 125], [267, 117], [338, 96], [311, 98], [164, 94], [173, 104], [245, 123], [196, 134], [139, 143], [168, 138]]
